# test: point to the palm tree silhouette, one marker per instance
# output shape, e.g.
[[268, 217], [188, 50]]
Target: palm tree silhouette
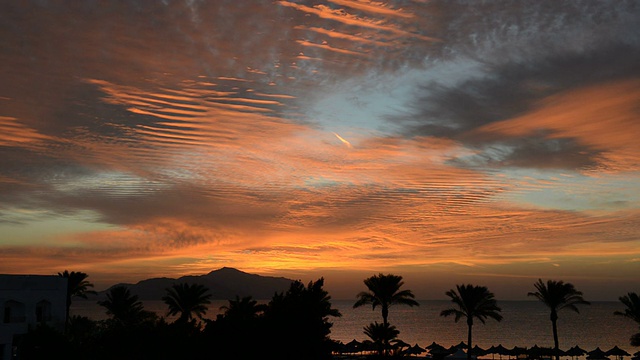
[[77, 286], [187, 300], [381, 335], [124, 307], [557, 295], [243, 309], [632, 302], [472, 302], [384, 291]]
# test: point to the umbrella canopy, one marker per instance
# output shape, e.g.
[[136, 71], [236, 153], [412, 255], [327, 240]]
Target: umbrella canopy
[[434, 345], [436, 349], [500, 350], [415, 350], [616, 351], [459, 354], [478, 351], [517, 351], [555, 352], [337, 346], [537, 351], [352, 346], [400, 344], [576, 351], [440, 351], [597, 354]]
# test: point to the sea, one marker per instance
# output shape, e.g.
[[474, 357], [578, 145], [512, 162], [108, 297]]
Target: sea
[[525, 323]]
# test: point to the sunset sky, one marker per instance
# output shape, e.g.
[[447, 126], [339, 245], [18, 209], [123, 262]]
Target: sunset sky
[[491, 142]]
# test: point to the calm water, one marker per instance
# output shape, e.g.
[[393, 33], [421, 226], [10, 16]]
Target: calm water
[[525, 323]]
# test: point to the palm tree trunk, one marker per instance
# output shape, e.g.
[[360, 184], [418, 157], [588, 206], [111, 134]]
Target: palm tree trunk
[[470, 324], [385, 314], [67, 313], [554, 319]]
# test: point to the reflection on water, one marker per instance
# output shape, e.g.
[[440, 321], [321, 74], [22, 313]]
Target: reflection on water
[[525, 323]]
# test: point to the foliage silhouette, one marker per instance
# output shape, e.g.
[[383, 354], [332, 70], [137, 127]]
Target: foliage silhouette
[[384, 291], [77, 286], [41, 342], [124, 307], [472, 302], [244, 309], [558, 295], [298, 322], [381, 335], [188, 300], [241, 323], [632, 302]]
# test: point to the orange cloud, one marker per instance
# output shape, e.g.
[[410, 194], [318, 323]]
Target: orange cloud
[[602, 117]]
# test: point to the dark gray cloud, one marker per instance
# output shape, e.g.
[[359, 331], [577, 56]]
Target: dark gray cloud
[[569, 48]]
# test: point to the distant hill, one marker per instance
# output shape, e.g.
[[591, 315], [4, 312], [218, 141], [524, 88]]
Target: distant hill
[[224, 284]]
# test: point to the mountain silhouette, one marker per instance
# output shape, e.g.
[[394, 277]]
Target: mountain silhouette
[[223, 284]]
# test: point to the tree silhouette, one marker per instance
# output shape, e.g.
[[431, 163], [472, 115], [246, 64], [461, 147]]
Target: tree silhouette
[[241, 310], [124, 307], [301, 316], [557, 295], [472, 302], [384, 291], [77, 286], [632, 302], [187, 300], [381, 335]]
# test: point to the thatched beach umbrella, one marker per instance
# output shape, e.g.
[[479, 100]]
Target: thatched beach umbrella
[[337, 346], [535, 350], [454, 348], [616, 351], [500, 350], [400, 344], [597, 354], [543, 352], [415, 350], [493, 351], [555, 352], [478, 351], [517, 351], [575, 351], [437, 351], [352, 347], [460, 354]]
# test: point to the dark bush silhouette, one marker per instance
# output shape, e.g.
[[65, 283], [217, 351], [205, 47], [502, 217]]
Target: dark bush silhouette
[[298, 322], [42, 342]]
